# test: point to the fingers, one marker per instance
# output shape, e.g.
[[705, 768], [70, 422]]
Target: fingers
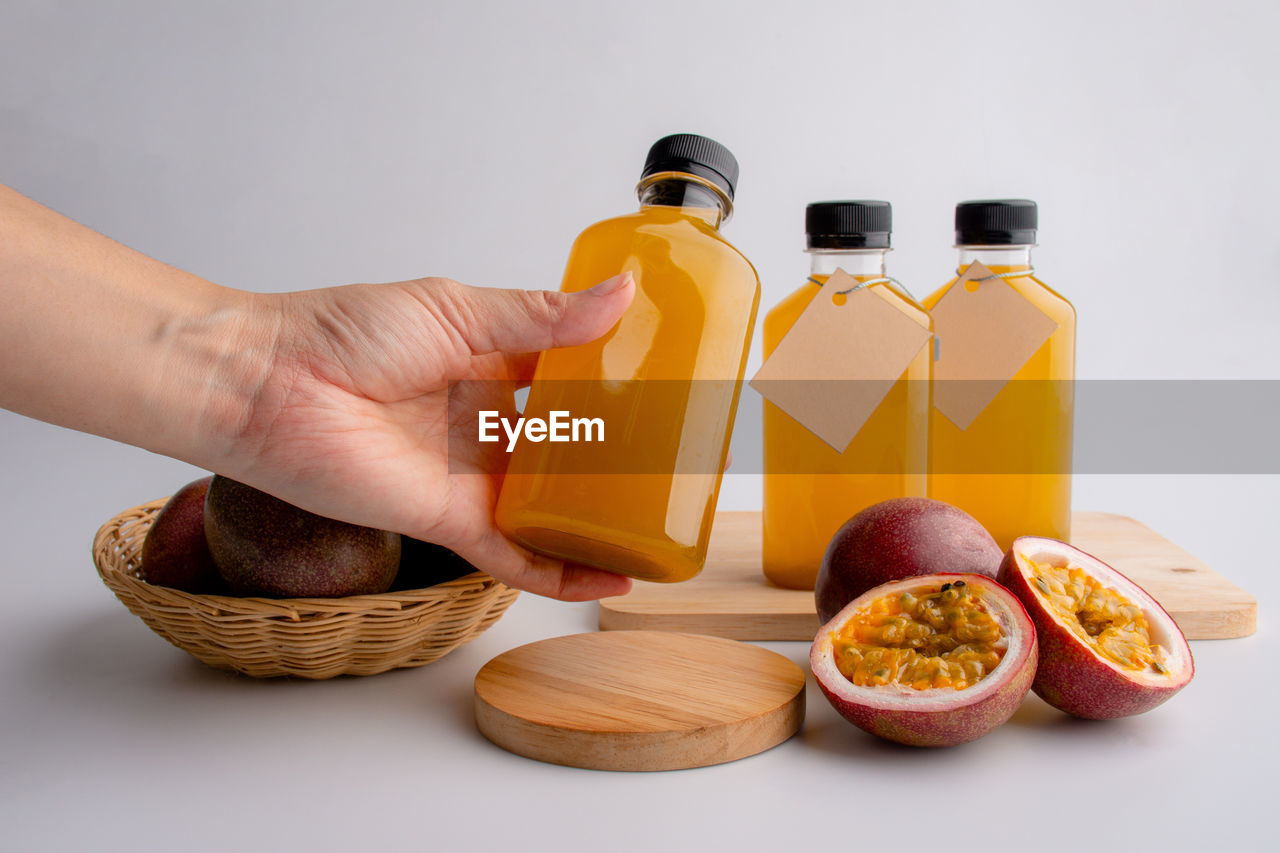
[[518, 568], [519, 321]]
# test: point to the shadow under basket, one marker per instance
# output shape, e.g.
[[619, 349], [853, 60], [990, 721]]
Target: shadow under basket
[[306, 637]]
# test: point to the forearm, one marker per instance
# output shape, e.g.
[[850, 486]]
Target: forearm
[[100, 338]]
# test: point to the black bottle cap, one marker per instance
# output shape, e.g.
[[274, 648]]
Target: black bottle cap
[[695, 155], [996, 222], [848, 224]]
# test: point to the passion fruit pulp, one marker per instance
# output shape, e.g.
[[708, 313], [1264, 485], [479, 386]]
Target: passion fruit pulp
[[1108, 649], [935, 660]]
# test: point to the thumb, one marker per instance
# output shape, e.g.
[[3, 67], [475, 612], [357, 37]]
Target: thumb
[[515, 321]]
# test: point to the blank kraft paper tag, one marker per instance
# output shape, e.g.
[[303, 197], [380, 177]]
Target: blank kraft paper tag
[[986, 332], [837, 362]]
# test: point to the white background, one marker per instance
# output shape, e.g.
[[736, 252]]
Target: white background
[[281, 146]]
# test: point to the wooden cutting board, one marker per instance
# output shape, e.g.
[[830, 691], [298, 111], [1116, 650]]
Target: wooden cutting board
[[638, 700], [732, 599]]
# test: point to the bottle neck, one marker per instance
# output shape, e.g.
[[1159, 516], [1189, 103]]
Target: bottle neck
[[1007, 257], [691, 195], [861, 263]]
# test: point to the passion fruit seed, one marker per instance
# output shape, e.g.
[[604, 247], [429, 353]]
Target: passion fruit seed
[[910, 685], [1109, 623], [933, 639]]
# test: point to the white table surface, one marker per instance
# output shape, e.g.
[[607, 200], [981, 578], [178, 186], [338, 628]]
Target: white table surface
[[114, 740]]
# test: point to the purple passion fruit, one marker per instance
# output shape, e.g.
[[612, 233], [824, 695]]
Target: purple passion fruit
[[1107, 648], [897, 539], [425, 564], [937, 660], [175, 553], [267, 547]]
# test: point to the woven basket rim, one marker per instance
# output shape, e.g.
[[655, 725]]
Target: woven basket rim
[[314, 638], [111, 571]]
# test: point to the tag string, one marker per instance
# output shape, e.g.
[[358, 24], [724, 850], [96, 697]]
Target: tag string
[[1029, 271], [868, 283]]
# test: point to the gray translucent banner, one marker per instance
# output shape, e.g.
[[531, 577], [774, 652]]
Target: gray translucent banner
[[1029, 427]]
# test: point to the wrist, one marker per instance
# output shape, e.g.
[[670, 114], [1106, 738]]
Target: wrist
[[215, 355], [97, 337]]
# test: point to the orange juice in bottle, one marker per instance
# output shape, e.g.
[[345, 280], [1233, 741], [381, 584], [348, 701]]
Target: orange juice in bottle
[[1011, 466], [810, 488], [665, 381]]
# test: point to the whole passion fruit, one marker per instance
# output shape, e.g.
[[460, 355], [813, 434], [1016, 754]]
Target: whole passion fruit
[[1107, 648], [264, 546], [896, 539], [175, 553], [936, 660]]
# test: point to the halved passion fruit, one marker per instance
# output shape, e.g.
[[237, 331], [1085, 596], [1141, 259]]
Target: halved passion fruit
[[935, 660], [1107, 649]]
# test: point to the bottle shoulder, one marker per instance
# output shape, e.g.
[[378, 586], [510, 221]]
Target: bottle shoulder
[[1044, 297], [667, 222], [906, 303], [779, 319], [663, 231], [1061, 302], [791, 305], [742, 260]]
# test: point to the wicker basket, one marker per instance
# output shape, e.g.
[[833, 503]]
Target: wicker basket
[[307, 637]]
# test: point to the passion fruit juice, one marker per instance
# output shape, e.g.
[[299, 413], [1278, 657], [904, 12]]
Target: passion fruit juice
[[1028, 424], [810, 488]]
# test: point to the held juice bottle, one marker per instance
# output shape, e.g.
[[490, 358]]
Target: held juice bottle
[[810, 488], [1011, 466], [664, 381]]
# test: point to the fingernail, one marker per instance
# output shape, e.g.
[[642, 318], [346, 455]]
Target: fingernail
[[611, 285]]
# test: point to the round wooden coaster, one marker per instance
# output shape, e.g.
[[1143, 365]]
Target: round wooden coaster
[[639, 700]]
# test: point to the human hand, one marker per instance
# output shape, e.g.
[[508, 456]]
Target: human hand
[[352, 420], [335, 400]]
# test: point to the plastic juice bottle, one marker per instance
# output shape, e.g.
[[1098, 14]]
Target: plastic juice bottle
[[810, 489], [665, 381], [1011, 468]]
